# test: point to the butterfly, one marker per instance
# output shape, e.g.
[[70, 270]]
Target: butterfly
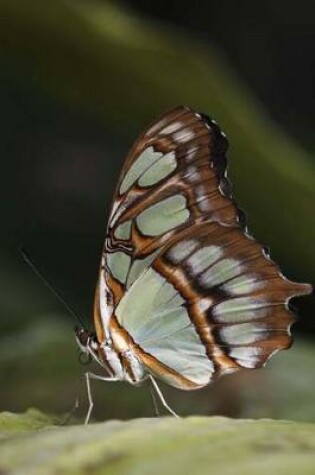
[[185, 294]]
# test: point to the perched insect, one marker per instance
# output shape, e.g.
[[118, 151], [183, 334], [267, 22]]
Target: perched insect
[[184, 294]]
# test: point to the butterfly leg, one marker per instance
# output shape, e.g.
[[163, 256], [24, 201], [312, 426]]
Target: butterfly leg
[[88, 377], [156, 409], [159, 393]]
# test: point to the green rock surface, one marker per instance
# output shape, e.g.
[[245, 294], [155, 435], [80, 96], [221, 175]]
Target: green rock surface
[[31, 444], [47, 377]]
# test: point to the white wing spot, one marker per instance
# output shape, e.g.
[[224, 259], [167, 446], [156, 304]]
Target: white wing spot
[[184, 135], [204, 205], [243, 333], [181, 250], [243, 285], [192, 174], [200, 191], [220, 272], [248, 357], [203, 258], [248, 306], [190, 155], [171, 128]]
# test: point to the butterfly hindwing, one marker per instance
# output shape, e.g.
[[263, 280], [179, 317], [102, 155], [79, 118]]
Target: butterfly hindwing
[[214, 302], [162, 331]]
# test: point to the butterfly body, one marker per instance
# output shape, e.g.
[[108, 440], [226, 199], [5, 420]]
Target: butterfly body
[[184, 292], [116, 356]]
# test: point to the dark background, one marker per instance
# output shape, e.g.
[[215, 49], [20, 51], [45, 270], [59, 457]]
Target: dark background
[[78, 82], [270, 44]]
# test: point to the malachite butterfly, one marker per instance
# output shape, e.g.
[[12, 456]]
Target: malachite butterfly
[[185, 293]]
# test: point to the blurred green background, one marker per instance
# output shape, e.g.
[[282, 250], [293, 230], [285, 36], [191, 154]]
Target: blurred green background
[[79, 81]]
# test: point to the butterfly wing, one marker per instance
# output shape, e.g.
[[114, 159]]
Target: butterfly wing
[[214, 302], [174, 175], [180, 278]]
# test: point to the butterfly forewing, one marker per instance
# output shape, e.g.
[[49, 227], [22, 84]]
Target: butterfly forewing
[[174, 176], [181, 281]]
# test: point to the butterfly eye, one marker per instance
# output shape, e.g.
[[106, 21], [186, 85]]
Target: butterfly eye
[[82, 337]]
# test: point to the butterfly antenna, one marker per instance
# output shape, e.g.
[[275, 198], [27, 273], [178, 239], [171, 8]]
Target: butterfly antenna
[[37, 272]]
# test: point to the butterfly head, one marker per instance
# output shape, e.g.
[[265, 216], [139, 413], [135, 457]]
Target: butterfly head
[[84, 339], [89, 347]]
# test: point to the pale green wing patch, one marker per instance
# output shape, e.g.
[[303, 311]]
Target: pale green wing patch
[[138, 266], [182, 250], [228, 308], [244, 284], [203, 258], [153, 313], [243, 333], [220, 272], [163, 216], [118, 264], [248, 356], [123, 231], [162, 325], [238, 313], [159, 170], [183, 352], [138, 304], [139, 166]]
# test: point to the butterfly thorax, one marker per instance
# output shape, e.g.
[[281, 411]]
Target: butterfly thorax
[[120, 363]]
